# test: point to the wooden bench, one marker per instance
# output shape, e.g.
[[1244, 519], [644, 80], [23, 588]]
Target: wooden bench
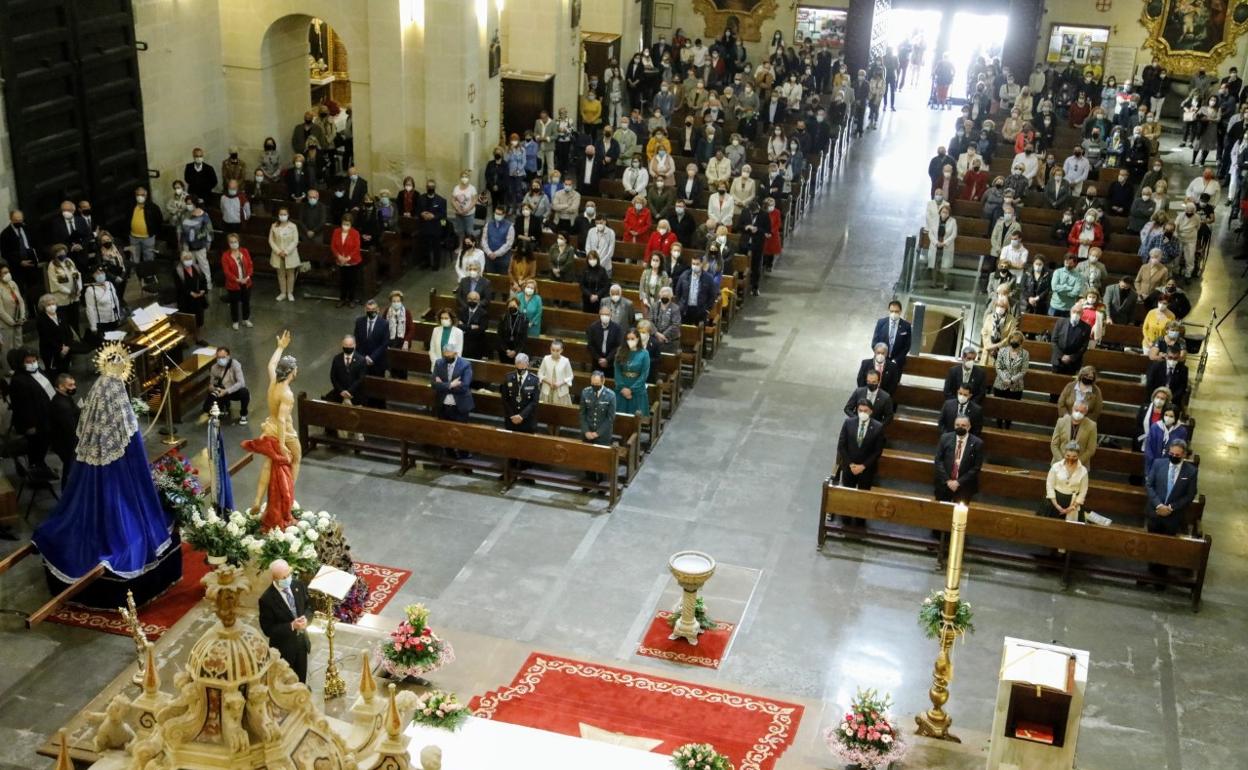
[[1001, 533], [1118, 263], [556, 419], [1105, 361], [964, 209], [1027, 411], [1116, 334], [409, 437], [1013, 445], [324, 269], [974, 225], [1112, 391], [574, 351]]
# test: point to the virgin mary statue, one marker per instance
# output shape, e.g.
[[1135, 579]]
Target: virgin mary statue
[[110, 514]]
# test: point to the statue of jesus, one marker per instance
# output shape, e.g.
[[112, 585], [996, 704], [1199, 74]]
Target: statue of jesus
[[279, 441]]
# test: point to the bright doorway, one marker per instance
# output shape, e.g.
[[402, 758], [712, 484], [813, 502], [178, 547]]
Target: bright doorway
[[920, 28], [973, 37]]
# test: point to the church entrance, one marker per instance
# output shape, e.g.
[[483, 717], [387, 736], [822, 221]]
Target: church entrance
[[967, 37]]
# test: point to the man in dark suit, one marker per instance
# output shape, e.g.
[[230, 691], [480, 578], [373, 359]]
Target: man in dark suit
[[432, 214], [895, 332], [72, 230], [520, 391], [1070, 339], [30, 400], [346, 375], [1171, 488], [890, 375], [470, 283], [859, 447], [1169, 372], [588, 171], [967, 373], [961, 405], [20, 252], [372, 336], [284, 615], [300, 180], [881, 403], [959, 457], [452, 382], [755, 225], [63, 423], [694, 293], [682, 222], [357, 188], [201, 177], [604, 339]]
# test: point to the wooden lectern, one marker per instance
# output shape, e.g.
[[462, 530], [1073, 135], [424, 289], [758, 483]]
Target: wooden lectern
[[1039, 705]]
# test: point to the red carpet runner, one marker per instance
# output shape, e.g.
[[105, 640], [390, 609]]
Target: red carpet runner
[[167, 609], [709, 653], [560, 695]]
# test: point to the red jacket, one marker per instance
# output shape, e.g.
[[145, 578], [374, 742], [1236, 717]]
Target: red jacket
[[974, 185], [660, 242], [349, 249], [233, 280], [774, 241], [1098, 236], [636, 224]]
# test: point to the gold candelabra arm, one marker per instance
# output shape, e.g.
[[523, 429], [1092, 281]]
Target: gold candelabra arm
[[935, 722]]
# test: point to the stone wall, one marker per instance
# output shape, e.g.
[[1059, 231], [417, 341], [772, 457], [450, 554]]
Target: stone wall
[[8, 188]]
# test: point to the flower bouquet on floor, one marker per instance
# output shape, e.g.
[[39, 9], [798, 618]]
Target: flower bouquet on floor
[[440, 709], [413, 649], [865, 737], [700, 756], [230, 539], [177, 482]]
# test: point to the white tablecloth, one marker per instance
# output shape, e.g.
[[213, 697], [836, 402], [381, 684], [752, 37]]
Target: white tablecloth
[[483, 743]]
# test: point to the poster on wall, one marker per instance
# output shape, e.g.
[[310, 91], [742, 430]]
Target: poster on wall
[[1120, 62]]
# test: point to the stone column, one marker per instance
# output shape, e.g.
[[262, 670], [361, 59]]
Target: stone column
[[858, 34]]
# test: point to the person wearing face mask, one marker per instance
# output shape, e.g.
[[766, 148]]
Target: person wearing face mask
[[1082, 390], [1172, 486], [1168, 427], [300, 179], [1078, 428], [30, 400], [372, 335], [1169, 371], [233, 168], [344, 244], [636, 178], [959, 459], [858, 448], [1066, 486], [144, 222], [1187, 227], [601, 240], [966, 373], [201, 177], [528, 229], [619, 306], [999, 324], [1156, 322], [401, 329], [226, 384], [1151, 274], [197, 236], [270, 163], [346, 375], [285, 612], [104, 307], [632, 370], [653, 278], [888, 371], [192, 289], [530, 305], [1057, 191], [497, 242], [882, 407], [512, 333], [564, 207], [637, 222], [598, 406], [1145, 416], [64, 285], [284, 250], [555, 376], [463, 202], [744, 189], [13, 315], [1093, 272], [604, 338], [63, 414], [1070, 339], [562, 258], [665, 320], [662, 163]]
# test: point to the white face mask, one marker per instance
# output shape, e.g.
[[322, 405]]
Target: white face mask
[[283, 217], [963, 399], [1076, 416], [528, 291], [879, 358], [1159, 402], [864, 416]]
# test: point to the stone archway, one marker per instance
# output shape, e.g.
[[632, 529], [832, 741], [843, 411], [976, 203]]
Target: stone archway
[[284, 76]]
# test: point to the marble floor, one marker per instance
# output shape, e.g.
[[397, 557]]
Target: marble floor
[[738, 475]]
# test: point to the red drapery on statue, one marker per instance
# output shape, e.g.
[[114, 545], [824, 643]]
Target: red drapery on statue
[[281, 483]]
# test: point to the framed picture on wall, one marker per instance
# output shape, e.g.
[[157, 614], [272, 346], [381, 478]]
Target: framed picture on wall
[[663, 15], [1081, 55], [496, 55]]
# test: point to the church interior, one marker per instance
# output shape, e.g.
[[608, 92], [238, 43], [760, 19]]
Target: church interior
[[520, 466]]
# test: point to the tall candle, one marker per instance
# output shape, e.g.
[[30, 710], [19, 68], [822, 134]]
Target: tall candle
[[956, 544]]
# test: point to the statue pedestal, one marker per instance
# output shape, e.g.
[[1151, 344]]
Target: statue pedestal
[[691, 569]]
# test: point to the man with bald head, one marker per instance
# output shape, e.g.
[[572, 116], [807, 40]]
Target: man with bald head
[[284, 615]]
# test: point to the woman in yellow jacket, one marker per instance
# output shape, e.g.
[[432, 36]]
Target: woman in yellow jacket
[[1155, 324]]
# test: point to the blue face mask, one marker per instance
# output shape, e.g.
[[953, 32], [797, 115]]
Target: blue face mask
[[283, 584]]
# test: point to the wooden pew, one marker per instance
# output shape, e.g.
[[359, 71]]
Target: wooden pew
[[574, 351], [1113, 499], [998, 533], [324, 267], [1116, 262], [555, 419], [576, 322], [963, 209], [1026, 411], [977, 227], [1117, 334], [410, 437], [1115, 361], [1013, 444], [1114, 391]]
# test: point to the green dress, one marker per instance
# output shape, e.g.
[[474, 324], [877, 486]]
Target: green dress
[[532, 309], [633, 376]]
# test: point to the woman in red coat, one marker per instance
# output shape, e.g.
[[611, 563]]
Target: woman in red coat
[[637, 222], [344, 244], [974, 183], [236, 267], [661, 239], [774, 241]]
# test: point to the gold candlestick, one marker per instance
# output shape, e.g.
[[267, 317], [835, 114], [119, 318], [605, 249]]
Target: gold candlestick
[[335, 687], [935, 723]]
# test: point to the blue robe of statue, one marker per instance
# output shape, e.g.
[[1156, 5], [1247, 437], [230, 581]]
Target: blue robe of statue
[[110, 512]]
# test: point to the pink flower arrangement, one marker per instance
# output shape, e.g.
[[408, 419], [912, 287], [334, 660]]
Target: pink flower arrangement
[[865, 736], [413, 649]]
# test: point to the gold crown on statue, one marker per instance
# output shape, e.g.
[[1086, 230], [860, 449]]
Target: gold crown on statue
[[113, 360]]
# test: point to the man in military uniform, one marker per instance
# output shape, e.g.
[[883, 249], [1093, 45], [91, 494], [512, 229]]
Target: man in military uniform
[[597, 411], [520, 392]]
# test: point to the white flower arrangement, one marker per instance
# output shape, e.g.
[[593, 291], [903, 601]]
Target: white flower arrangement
[[231, 537], [296, 543]]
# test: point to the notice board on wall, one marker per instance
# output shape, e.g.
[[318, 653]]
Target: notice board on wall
[[1120, 62]]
